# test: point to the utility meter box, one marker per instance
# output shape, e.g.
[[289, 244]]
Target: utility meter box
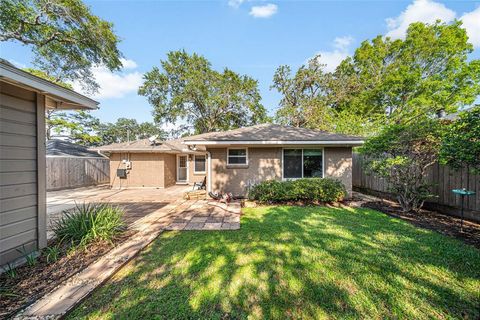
[[127, 164], [122, 173]]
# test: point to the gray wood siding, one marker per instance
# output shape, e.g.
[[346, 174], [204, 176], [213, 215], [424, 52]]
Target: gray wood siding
[[18, 171]]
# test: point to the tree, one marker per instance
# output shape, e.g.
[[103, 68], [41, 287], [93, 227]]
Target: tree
[[386, 81], [186, 87], [44, 75], [461, 145], [128, 130], [79, 127], [423, 74], [308, 100], [401, 154], [66, 37]]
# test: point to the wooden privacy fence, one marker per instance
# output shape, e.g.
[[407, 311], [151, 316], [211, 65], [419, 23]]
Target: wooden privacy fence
[[441, 177], [75, 172]]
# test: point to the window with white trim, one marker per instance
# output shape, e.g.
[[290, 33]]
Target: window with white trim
[[302, 163], [237, 156], [199, 163]]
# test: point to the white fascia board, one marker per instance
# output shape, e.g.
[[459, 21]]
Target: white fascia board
[[277, 142], [45, 87]]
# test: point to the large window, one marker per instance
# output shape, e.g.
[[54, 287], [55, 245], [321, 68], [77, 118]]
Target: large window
[[302, 163], [199, 164], [237, 156]]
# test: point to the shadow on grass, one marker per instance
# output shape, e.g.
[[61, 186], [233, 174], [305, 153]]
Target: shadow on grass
[[293, 262]]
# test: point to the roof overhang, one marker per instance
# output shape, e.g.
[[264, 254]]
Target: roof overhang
[[183, 151], [57, 97], [275, 142]]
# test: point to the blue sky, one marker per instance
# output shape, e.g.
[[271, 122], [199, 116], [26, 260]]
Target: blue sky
[[249, 37]]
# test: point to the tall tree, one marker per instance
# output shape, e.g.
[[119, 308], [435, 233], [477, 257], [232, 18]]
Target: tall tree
[[423, 74], [386, 81], [79, 127], [67, 39], [461, 145], [124, 130], [186, 87]]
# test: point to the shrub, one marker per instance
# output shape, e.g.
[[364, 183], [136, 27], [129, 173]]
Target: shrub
[[401, 154], [308, 190], [89, 222]]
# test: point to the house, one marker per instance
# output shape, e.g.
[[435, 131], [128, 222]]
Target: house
[[62, 148], [23, 101], [233, 160]]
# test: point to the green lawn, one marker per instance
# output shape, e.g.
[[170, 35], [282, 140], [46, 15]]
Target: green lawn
[[294, 262]]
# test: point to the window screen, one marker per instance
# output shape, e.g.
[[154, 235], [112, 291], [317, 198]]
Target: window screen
[[292, 163], [312, 163], [200, 163], [237, 156]]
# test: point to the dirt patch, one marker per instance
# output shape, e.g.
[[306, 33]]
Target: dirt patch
[[32, 282], [431, 220]]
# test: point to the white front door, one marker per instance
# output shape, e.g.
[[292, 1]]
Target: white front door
[[182, 168]]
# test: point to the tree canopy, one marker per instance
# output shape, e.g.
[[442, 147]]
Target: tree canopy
[[386, 81], [79, 127], [67, 39], [186, 87], [461, 145], [125, 129]]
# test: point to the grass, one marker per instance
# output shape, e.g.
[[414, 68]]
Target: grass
[[297, 263]]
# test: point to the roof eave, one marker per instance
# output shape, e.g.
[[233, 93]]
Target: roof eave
[[72, 99], [276, 142]]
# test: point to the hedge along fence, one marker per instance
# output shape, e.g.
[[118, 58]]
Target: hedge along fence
[[307, 190], [74, 172], [443, 180]]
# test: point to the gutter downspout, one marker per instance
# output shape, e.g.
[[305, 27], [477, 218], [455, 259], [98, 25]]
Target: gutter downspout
[[209, 173]]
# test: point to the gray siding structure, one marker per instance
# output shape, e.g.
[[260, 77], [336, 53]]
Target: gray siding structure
[[21, 210], [23, 100]]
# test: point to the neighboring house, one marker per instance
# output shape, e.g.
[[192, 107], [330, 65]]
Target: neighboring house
[[153, 163], [71, 165], [233, 160], [62, 148], [23, 101]]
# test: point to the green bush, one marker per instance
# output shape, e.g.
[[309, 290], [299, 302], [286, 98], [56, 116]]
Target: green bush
[[307, 190], [89, 222]]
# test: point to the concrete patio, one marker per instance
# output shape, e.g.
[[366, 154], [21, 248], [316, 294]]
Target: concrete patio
[[138, 204]]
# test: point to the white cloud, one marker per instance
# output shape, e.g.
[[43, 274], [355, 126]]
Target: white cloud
[[426, 11], [471, 22], [114, 85], [235, 3], [128, 64], [264, 11], [333, 58], [342, 43]]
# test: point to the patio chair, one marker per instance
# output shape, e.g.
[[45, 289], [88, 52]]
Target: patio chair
[[200, 185]]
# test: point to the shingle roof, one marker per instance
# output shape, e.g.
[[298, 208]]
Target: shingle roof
[[57, 147], [145, 145], [262, 133], [272, 132]]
